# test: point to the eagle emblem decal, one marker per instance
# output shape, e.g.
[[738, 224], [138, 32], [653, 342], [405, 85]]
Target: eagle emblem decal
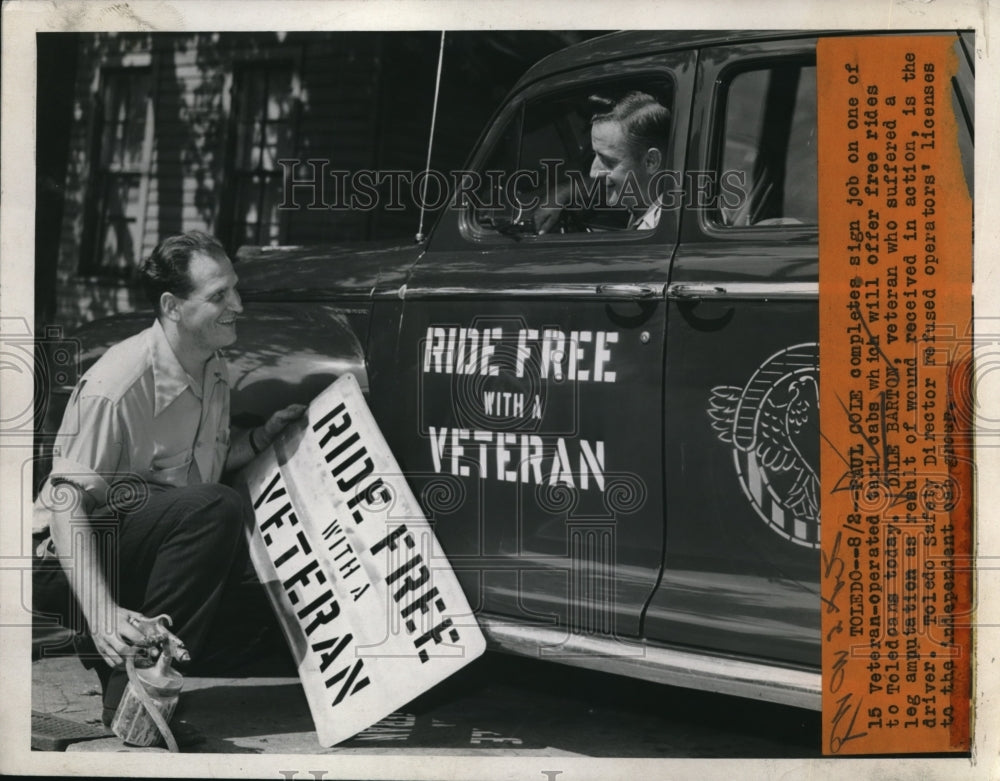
[[772, 424]]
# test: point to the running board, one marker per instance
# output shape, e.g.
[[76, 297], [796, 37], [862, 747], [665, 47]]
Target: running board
[[799, 688]]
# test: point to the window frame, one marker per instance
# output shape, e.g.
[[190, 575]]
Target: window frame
[[468, 228], [708, 219], [242, 62], [91, 262]]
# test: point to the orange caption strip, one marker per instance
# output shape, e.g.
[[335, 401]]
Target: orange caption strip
[[895, 260]]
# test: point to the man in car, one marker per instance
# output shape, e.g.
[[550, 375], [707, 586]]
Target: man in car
[[629, 138], [143, 443]]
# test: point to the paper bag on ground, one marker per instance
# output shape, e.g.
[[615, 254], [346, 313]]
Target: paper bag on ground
[[369, 605]]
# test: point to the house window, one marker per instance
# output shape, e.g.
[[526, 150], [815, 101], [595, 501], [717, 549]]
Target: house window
[[265, 108], [124, 134]]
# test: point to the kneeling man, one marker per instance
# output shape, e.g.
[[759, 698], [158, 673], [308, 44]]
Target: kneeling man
[[142, 446]]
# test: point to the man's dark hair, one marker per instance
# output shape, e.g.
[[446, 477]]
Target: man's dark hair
[[166, 269], [644, 120]]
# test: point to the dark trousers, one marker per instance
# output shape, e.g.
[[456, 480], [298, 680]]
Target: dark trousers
[[178, 554]]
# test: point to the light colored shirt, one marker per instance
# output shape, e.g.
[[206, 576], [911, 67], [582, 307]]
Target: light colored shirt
[[649, 220], [138, 413]]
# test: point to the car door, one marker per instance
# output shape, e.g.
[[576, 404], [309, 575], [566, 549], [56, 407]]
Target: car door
[[527, 403], [741, 564]]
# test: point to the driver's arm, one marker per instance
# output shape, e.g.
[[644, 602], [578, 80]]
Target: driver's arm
[[550, 210]]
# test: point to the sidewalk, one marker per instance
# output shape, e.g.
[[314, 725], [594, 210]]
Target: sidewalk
[[261, 710], [256, 715], [497, 706], [235, 715]]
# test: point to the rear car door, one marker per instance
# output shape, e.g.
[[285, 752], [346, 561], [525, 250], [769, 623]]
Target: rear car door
[[741, 563]]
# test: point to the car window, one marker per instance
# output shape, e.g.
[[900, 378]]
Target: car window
[[541, 165], [767, 152]]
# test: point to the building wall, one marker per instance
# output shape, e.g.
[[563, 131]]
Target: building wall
[[192, 78]]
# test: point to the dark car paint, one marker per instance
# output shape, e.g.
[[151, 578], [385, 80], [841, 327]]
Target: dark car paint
[[351, 272]]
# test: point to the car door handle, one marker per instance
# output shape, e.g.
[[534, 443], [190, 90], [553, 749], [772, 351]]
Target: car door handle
[[752, 291], [629, 291], [682, 292]]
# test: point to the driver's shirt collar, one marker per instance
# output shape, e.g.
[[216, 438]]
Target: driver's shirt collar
[[649, 219]]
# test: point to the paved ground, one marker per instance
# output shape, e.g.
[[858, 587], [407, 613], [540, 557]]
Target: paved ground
[[498, 705], [234, 715]]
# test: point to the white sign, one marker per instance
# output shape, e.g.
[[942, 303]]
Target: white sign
[[370, 607]]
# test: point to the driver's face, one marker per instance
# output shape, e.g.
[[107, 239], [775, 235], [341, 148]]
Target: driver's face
[[616, 162]]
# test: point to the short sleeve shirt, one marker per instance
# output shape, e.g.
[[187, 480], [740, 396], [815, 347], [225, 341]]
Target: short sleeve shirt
[[137, 414]]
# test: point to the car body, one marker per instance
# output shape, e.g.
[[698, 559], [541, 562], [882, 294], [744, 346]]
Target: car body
[[614, 433]]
